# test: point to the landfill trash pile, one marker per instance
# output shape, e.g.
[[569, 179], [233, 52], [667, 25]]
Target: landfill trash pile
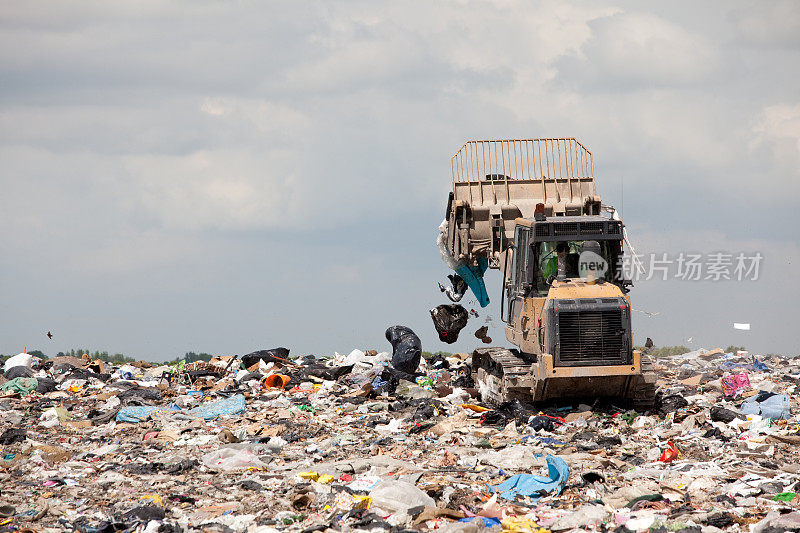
[[269, 442]]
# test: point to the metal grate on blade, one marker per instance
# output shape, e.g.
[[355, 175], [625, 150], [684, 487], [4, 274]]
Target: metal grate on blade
[[592, 228], [567, 228]]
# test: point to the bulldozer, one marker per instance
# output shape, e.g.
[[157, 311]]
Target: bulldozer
[[529, 208]]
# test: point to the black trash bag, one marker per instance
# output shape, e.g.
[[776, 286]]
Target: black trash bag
[[426, 408], [542, 422], [513, 410], [19, 372], [517, 410], [448, 321], [438, 361], [720, 414], [762, 396], [720, 520], [321, 371], [144, 394], [667, 404], [389, 376], [395, 375], [464, 381], [249, 484], [145, 513], [275, 355], [13, 435], [45, 385], [406, 348], [493, 418]]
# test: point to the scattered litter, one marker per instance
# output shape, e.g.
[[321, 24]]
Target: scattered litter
[[372, 441]]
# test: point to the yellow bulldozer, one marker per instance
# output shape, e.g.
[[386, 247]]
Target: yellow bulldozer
[[529, 208]]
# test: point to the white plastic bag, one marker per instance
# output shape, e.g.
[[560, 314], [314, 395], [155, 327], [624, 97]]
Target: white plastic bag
[[21, 359], [228, 459]]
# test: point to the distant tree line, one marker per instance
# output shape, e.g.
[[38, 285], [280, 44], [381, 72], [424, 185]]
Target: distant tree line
[[191, 357], [666, 351], [429, 355], [116, 358]]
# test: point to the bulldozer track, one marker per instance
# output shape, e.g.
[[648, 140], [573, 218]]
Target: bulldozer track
[[643, 392]]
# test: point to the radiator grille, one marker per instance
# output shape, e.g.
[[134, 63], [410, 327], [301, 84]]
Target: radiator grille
[[592, 336]]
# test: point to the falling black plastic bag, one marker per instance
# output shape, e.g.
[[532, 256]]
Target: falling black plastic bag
[[406, 348], [448, 321]]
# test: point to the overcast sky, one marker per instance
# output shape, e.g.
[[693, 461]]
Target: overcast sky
[[230, 176]]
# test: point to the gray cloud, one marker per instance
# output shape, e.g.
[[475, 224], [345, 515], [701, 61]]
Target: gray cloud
[[200, 176]]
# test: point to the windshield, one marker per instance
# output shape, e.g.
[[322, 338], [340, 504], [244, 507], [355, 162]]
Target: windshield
[[548, 254]]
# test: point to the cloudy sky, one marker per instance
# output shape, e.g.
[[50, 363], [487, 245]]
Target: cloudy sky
[[229, 176]]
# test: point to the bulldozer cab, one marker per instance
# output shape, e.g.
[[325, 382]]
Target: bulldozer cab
[[587, 248]]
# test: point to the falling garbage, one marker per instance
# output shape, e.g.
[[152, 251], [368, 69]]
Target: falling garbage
[[482, 333], [456, 289], [449, 320]]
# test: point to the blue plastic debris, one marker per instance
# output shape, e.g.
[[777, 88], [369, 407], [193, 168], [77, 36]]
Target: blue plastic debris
[[551, 441], [488, 522], [234, 405], [139, 413], [530, 485], [473, 276]]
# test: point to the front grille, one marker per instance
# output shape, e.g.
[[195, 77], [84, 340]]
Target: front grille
[[542, 230], [613, 228], [592, 337]]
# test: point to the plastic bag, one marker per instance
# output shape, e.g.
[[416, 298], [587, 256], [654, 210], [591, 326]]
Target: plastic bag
[[456, 289], [448, 321], [531, 485], [235, 405], [232, 459], [471, 275], [406, 348], [670, 453], [441, 243], [273, 355], [21, 359], [399, 496], [21, 386], [733, 384]]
